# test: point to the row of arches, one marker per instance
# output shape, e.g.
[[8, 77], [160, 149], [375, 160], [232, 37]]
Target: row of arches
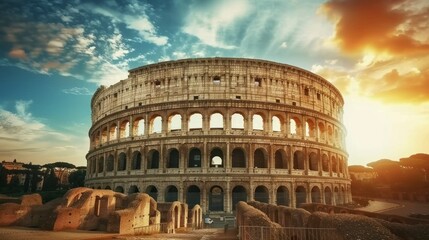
[[294, 125], [216, 196], [216, 158]]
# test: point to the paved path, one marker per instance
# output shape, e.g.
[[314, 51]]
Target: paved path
[[21, 233], [401, 208]]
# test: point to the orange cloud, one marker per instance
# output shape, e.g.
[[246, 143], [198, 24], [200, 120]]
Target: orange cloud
[[392, 26], [17, 53]]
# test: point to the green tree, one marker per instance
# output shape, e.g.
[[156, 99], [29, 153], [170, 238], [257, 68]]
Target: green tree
[[14, 184], [77, 178], [50, 182], [34, 177]]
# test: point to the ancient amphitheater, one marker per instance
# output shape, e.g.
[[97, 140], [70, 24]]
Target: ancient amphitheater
[[215, 131]]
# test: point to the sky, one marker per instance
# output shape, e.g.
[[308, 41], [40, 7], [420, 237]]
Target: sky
[[54, 55]]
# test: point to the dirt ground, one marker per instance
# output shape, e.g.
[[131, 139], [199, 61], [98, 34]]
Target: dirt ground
[[21, 233]]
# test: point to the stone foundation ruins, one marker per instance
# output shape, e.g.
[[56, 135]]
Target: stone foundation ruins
[[100, 210]]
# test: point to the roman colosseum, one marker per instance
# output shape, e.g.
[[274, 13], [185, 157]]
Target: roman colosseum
[[215, 131]]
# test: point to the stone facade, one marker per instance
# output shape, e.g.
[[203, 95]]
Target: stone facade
[[216, 131]]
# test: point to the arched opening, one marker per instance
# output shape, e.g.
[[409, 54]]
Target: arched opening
[[280, 159], [294, 126], [100, 164], [113, 132], [261, 194], [330, 133], [153, 160], [196, 121], [328, 196], [138, 127], [171, 194], [313, 162], [110, 163], [238, 158], [239, 193], [283, 196], [104, 135], [301, 196], [173, 159], [133, 189], [122, 162], [321, 130], [237, 121], [152, 192], [258, 122], [315, 195], [119, 189], [325, 163], [124, 130], [107, 188], [334, 164], [193, 196], [260, 161], [194, 158], [175, 123], [336, 197], [136, 161], [341, 197], [216, 158], [156, 125], [216, 199], [276, 124], [340, 165], [216, 121], [310, 128], [298, 160]]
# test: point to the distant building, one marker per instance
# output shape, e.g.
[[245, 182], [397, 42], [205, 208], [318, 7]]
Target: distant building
[[17, 166], [362, 173]]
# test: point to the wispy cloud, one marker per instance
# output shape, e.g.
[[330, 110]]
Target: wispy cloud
[[78, 91]]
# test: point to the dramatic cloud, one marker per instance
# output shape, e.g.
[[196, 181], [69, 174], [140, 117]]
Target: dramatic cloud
[[393, 26]]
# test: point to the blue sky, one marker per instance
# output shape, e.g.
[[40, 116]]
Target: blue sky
[[54, 54]]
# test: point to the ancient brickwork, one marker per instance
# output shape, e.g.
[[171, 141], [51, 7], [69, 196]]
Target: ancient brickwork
[[216, 131]]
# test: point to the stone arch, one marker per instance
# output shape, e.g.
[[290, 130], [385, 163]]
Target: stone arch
[[321, 130], [330, 133], [195, 158], [216, 155], [334, 164], [193, 196], [313, 160], [175, 123], [133, 189], [100, 164], [110, 164], [113, 132], [122, 162], [257, 122], [298, 160], [171, 194], [276, 124], [104, 134], [294, 126], [340, 165], [328, 196], [260, 158], [281, 161], [216, 196], [336, 195], [237, 121], [108, 187], [316, 195], [216, 121], [138, 126], [238, 158], [261, 194], [119, 189], [124, 129], [153, 159], [136, 160], [300, 196], [152, 191], [282, 196], [239, 193], [155, 125], [196, 121], [173, 160], [310, 128], [325, 163]]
